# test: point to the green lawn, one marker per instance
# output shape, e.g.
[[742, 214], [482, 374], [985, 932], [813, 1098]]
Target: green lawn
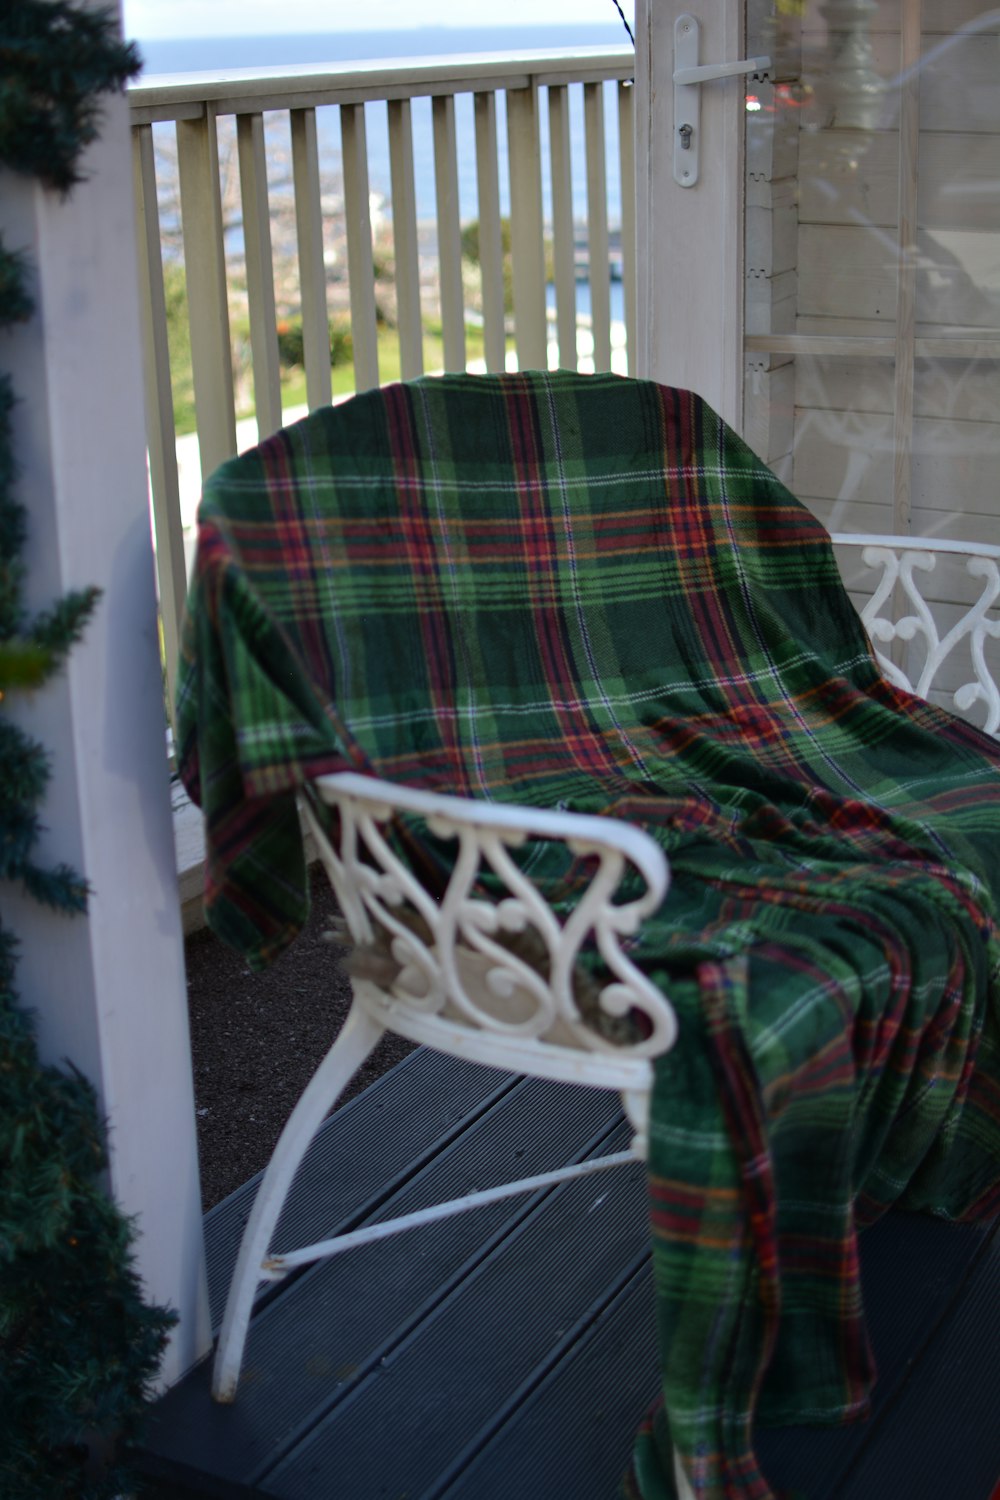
[[293, 380]]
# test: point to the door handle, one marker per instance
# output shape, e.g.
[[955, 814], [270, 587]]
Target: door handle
[[689, 75]]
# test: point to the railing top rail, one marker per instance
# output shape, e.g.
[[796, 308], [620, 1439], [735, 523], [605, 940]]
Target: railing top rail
[[243, 90]]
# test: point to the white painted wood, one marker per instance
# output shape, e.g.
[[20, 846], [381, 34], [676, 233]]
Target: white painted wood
[[862, 339], [851, 342], [406, 249], [260, 273], [846, 271], [360, 263], [626, 153], [249, 90], [959, 277], [953, 169], [947, 341], [769, 408], [171, 571], [255, 228], [772, 134], [958, 79], [944, 389], [772, 231], [940, 17], [850, 455], [449, 233], [107, 989], [690, 291], [899, 251], [906, 267], [597, 223], [527, 242], [490, 237], [208, 308], [563, 248], [312, 264]]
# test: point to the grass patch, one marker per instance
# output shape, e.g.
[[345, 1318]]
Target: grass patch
[[293, 378]]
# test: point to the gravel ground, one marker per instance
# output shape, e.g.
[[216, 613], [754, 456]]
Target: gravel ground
[[256, 1039]]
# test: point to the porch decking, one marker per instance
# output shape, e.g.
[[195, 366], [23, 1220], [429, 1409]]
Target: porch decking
[[511, 1351]]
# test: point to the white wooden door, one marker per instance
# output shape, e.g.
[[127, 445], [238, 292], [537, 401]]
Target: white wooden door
[[831, 284]]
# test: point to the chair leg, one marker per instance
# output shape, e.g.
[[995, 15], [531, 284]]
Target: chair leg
[[355, 1042], [681, 1482]]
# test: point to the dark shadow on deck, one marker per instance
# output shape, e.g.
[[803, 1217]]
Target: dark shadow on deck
[[510, 1354]]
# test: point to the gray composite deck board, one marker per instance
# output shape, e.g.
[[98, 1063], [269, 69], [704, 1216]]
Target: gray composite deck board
[[359, 1157], [942, 1430], [434, 1394], [594, 1397], [325, 1332], [512, 1351], [916, 1273]]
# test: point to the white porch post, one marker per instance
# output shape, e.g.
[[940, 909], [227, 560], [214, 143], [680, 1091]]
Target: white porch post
[[107, 988], [690, 239]]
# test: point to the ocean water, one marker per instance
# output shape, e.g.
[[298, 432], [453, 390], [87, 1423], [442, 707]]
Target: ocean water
[[222, 53], [215, 53]]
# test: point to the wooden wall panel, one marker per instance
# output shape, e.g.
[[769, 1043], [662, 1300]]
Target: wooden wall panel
[[846, 271], [849, 455], [850, 272], [958, 83], [953, 169], [964, 390], [938, 17]]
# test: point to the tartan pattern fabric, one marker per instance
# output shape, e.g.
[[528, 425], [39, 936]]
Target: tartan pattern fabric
[[587, 592]]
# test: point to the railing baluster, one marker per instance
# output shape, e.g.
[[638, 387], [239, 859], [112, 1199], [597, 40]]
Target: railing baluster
[[490, 234], [360, 265], [626, 155], [406, 250], [597, 216], [312, 268], [527, 240], [562, 224], [449, 231], [194, 113], [171, 571], [260, 273], [205, 271]]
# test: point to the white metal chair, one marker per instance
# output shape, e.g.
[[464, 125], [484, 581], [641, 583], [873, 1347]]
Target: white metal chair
[[499, 982], [495, 982], [898, 611]]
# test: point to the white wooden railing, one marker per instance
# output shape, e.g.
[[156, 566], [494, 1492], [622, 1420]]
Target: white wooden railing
[[194, 103]]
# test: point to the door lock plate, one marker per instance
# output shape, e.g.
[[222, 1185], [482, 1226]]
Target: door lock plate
[[689, 75]]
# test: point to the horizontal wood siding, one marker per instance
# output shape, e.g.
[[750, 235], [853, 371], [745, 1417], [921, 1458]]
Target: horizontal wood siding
[[892, 239]]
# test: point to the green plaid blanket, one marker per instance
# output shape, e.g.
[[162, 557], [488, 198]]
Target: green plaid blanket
[[587, 592]]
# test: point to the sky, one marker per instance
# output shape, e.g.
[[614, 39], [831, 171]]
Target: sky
[[154, 20]]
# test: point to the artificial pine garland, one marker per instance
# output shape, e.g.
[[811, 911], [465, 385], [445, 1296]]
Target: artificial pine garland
[[55, 62], [78, 1347]]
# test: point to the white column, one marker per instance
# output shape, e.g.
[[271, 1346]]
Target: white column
[[690, 240], [107, 988]]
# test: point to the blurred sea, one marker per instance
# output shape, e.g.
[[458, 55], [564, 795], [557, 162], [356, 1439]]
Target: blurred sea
[[218, 54]]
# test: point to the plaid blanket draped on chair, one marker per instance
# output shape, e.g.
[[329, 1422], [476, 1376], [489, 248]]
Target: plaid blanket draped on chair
[[587, 592]]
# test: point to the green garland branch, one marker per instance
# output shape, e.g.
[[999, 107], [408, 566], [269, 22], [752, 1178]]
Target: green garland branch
[[78, 1346], [55, 62]]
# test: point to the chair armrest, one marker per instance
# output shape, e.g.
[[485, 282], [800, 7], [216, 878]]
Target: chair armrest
[[507, 967], [903, 560]]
